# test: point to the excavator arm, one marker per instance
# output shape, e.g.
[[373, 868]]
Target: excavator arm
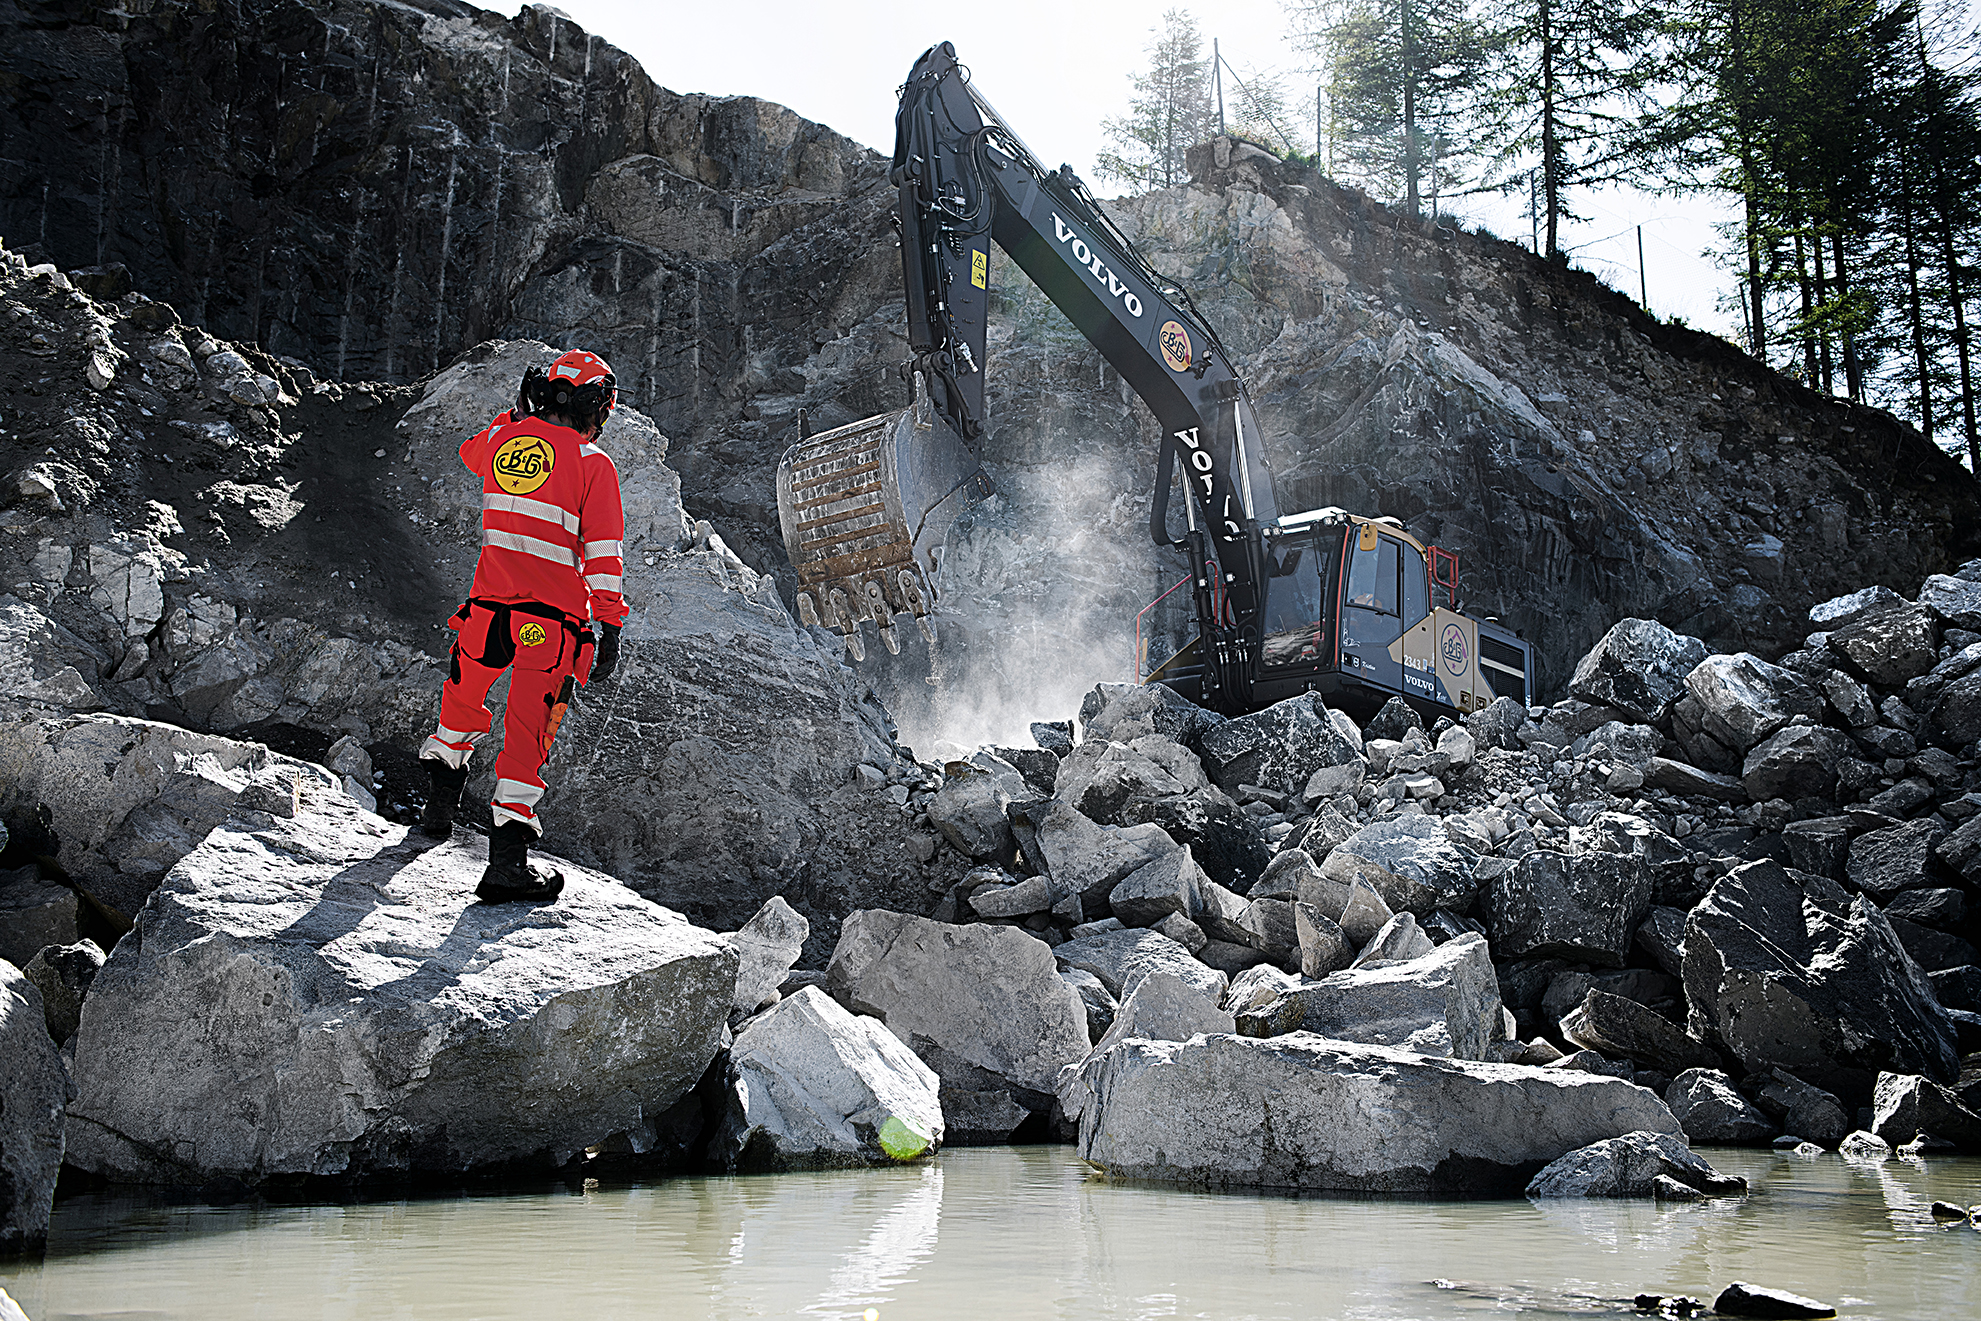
[[966, 181]]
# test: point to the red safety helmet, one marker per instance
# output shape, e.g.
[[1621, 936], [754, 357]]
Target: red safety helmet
[[578, 383]]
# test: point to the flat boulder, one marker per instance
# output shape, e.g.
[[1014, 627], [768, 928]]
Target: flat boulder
[[1410, 861], [1713, 1113], [1631, 1166], [984, 1006], [1086, 858], [812, 1086], [1890, 646], [1804, 976], [1303, 1112], [1584, 907], [321, 995], [34, 1087], [1625, 1029], [1796, 761], [1279, 748], [1638, 667], [1445, 1003]]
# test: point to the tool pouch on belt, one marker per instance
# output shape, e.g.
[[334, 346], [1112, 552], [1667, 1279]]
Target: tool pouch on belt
[[498, 634]]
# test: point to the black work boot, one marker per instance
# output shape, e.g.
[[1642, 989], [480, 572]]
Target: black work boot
[[443, 798], [511, 875]]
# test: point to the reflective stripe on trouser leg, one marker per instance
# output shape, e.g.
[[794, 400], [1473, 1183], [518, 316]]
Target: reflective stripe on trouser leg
[[453, 746], [516, 800], [525, 729]]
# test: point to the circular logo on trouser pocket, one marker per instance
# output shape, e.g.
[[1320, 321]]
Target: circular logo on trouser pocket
[[523, 464], [531, 635]]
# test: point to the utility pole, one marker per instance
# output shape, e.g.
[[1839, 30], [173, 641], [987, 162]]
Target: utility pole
[[1217, 80], [1643, 296]]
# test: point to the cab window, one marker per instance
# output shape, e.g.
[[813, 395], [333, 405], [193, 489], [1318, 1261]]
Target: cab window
[[1372, 577], [1416, 586], [1294, 632]]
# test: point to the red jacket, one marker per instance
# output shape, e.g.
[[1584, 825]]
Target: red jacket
[[552, 527]]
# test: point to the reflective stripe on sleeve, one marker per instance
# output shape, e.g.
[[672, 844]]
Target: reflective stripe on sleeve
[[605, 582], [543, 550], [594, 549], [528, 508]]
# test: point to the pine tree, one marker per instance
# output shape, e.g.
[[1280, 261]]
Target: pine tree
[[1170, 113]]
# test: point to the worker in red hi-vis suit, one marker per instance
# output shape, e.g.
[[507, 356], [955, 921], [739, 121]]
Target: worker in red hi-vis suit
[[551, 565]]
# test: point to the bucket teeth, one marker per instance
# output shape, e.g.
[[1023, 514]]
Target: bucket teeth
[[854, 647], [808, 611], [839, 610], [890, 639], [927, 625]]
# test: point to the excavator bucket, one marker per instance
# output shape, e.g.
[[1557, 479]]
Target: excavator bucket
[[864, 509]]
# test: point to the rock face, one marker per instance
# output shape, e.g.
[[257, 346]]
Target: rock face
[[1303, 1112], [1630, 1166], [378, 1020], [1811, 979], [811, 1086], [984, 1006], [33, 1089]]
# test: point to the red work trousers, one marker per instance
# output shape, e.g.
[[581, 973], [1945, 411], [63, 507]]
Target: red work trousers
[[544, 650]]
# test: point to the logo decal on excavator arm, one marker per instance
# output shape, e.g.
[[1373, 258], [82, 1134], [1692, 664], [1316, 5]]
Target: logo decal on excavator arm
[[523, 464], [1085, 256], [1174, 341]]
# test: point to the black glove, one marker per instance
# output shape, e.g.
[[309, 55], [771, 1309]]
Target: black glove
[[607, 656]]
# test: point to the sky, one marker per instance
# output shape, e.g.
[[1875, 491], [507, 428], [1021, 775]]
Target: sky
[[1055, 71]]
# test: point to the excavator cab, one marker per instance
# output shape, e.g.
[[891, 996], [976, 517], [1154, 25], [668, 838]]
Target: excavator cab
[[1352, 612]]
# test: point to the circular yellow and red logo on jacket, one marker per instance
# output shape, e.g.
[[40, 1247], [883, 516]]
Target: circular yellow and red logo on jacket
[[523, 463]]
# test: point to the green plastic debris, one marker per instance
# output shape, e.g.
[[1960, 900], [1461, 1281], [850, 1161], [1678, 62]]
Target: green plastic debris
[[901, 1142]]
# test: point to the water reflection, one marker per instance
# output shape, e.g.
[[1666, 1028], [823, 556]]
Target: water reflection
[[1010, 1233]]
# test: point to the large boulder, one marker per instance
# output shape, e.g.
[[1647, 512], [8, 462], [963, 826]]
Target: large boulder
[[1957, 601], [1713, 1112], [813, 1086], [1122, 958], [1123, 712], [1302, 1112], [1631, 1166], [1884, 862], [1410, 861], [126, 799], [323, 996], [1809, 978], [1904, 1106], [1088, 859], [1890, 646], [1279, 748], [1796, 761], [1639, 668], [969, 809], [1101, 778], [35, 912], [766, 948], [34, 1087], [1445, 1002], [1743, 699], [63, 974], [1164, 1007], [1584, 907], [1626, 1030], [1950, 693], [1172, 883], [984, 1006]]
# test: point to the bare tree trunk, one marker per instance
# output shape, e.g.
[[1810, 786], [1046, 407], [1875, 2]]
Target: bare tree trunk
[[1809, 369], [1550, 143], [1918, 322], [1410, 165], [1823, 336], [1757, 326], [1960, 339], [1853, 373]]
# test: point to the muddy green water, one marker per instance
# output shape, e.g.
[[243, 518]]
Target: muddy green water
[[1010, 1232]]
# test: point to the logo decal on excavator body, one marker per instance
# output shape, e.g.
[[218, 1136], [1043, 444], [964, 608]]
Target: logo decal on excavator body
[[1174, 341], [1452, 646], [523, 464]]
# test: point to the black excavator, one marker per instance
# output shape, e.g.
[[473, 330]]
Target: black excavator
[[1324, 601]]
